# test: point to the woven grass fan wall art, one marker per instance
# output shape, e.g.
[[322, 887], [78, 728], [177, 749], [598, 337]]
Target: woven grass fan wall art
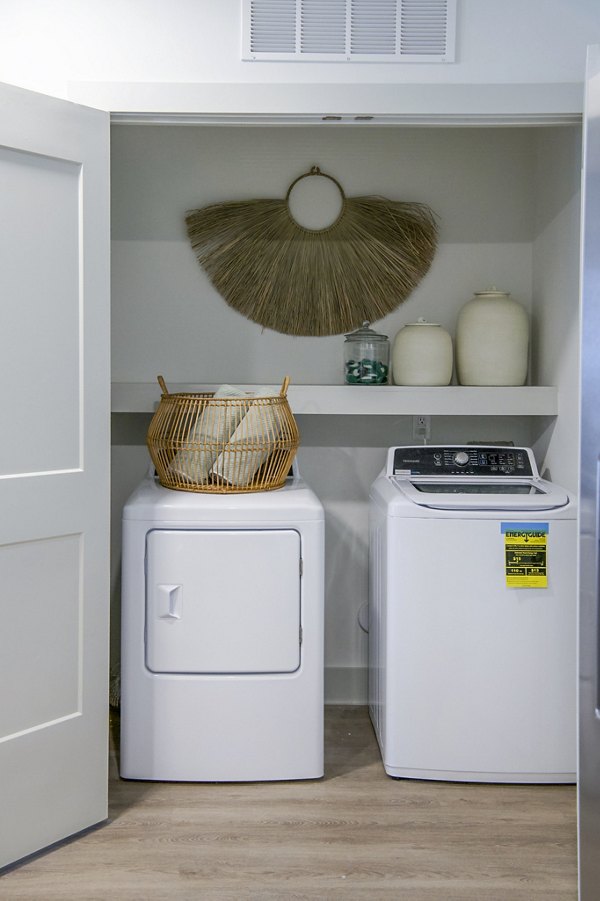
[[301, 281]]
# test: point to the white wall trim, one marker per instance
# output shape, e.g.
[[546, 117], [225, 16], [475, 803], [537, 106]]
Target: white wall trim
[[334, 104]]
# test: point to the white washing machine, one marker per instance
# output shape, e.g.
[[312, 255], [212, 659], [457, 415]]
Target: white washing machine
[[472, 617], [222, 635]]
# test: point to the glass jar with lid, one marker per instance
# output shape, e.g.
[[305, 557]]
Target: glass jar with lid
[[366, 357]]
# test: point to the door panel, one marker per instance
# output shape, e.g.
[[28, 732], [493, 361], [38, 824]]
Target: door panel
[[54, 452], [42, 646], [223, 601], [40, 259]]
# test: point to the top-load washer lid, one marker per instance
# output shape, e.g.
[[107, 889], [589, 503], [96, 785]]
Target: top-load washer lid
[[462, 495], [472, 477]]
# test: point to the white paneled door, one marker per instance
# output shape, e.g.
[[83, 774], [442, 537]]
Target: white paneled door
[[54, 452]]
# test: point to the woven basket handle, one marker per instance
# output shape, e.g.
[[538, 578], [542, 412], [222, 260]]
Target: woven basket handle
[[282, 392]]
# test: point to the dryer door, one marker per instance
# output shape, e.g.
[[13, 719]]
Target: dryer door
[[223, 601]]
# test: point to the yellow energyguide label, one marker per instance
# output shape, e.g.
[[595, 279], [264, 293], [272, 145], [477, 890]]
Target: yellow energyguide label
[[525, 554]]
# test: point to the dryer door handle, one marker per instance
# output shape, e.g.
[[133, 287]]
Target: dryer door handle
[[171, 597]]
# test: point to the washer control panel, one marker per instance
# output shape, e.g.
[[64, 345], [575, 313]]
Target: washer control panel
[[456, 460]]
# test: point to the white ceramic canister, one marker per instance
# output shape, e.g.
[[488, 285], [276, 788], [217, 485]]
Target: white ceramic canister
[[422, 355], [492, 340]]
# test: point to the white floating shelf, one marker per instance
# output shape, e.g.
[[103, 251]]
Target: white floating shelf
[[367, 400]]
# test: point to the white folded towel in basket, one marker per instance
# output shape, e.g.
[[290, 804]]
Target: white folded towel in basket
[[238, 463], [212, 429]]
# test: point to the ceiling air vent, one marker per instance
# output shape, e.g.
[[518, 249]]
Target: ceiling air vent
[[349, 30]]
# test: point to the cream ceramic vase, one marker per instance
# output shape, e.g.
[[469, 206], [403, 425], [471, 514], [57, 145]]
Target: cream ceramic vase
[[492, 340], [422, 355]]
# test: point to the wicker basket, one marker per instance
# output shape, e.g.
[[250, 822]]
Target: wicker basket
[[199, 442]]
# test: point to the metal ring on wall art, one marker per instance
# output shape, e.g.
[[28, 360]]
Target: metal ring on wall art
[[314, 170]]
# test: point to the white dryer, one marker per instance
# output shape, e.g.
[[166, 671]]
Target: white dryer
[[222, 635], [472, 617]]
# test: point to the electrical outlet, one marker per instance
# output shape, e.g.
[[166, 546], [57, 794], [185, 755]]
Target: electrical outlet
[[421, 427]]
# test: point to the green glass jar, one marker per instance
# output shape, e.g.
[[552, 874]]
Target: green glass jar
[[366, 357]]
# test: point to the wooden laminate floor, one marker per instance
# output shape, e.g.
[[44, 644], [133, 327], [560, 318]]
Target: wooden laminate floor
[[356, 834]]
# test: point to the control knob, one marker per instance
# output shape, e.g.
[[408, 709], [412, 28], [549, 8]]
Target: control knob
[[461, 458]]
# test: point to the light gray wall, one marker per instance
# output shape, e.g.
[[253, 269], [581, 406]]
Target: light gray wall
[[46, 46], [478, 182], [167, 318], [555, 295]]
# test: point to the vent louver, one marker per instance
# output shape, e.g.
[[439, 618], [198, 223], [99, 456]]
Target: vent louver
[[349, 30], [322, 26], [273, 26], [373, 27], [423, 27]]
